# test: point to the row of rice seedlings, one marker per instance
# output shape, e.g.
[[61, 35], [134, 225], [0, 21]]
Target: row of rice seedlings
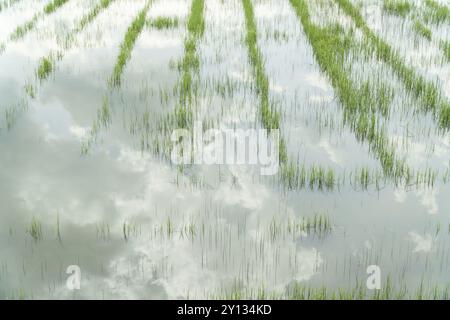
[[91, 15], [186, 89], [437, 13], [425, 91], [398, 7], [104, 114], [12, 112], [157, 139], [127, 45], [300, 175], [360, 292], [163, 23], [270, 117], [46, 65], [317, 224], [5, 4], [190, 64], [102, 120], [23, 29], [53, 6], [301, 291], [330, 46], [296, 176]]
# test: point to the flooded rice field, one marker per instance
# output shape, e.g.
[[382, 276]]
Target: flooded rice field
[[95, 96]]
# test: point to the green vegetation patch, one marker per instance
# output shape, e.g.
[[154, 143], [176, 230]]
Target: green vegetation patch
[[164, 23], [397, 7], [45, 68], [437, 12]]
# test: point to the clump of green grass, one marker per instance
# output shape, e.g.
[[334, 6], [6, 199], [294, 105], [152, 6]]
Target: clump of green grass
[[35, 230], [45, 68], [164, 23], [437, 13], [422, 30], [397, 7], [54, 5], [127, 45]]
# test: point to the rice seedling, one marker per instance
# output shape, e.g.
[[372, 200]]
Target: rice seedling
[[54, 5], [35, 230], [104, 115], [330, 46], [190, 62], [46, 65], [397, 7], [164, 23], [30, 90], [422, 30], [44, 69]]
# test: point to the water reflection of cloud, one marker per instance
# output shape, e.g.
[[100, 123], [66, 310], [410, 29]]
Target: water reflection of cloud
[[423, 243]]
